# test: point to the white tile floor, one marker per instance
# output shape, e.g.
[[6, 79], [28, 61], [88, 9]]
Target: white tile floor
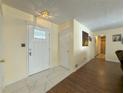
[[40, 82]]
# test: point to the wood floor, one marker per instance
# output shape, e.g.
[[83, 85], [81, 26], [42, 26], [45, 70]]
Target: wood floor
[[95, 77]]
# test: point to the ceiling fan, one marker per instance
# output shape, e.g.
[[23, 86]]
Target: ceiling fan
[[44, 9], [44, 14]]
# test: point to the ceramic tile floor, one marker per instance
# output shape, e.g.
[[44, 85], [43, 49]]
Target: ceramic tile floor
[[40, 82]]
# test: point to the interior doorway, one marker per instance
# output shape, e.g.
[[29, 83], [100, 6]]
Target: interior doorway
[[103, 40], [38, 49], [101, 46]]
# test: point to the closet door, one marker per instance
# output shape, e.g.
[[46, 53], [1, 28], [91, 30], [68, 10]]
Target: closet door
[[65, 48]]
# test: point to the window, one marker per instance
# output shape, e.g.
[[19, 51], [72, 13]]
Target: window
[[38, 34]]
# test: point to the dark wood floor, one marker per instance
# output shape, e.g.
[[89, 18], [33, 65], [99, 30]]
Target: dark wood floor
[[95, 77]]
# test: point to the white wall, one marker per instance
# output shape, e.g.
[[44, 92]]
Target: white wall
[[82, 54], [111, 46], [15, 33]]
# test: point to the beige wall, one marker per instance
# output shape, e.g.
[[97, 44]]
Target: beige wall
[[15, 33], [82, 54], [111, 46]]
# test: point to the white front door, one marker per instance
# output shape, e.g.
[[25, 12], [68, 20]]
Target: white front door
[[39, 53]]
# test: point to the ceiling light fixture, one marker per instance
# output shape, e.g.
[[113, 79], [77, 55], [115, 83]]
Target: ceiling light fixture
[[44, 13]]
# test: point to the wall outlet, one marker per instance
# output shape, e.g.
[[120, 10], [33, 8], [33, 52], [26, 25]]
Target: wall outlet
[[76, 65]]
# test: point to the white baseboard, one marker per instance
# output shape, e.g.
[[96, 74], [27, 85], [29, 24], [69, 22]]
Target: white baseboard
[[81, 65], [110, 60]]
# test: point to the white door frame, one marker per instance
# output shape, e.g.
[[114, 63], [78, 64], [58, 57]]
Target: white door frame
[[46, 29], [2, 85]]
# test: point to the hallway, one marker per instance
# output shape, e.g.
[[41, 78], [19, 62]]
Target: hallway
[[61, 46], [101, 56], [94, 77]]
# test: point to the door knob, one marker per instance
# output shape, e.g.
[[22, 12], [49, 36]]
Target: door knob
[[2, 61]]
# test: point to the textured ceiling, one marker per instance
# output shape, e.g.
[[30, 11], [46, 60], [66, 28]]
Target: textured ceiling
[[95, 14]]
